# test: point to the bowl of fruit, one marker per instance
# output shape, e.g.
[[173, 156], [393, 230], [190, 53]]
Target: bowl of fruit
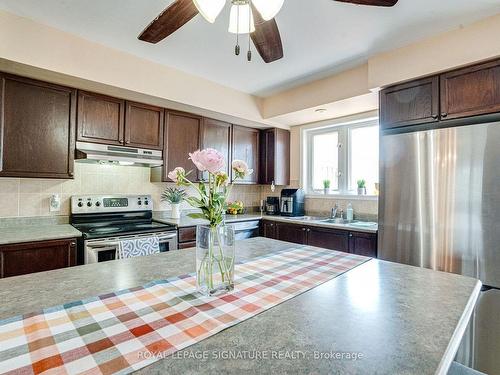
[[235, 208]]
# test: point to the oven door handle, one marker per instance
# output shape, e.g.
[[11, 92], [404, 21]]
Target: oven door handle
[[167, 237]]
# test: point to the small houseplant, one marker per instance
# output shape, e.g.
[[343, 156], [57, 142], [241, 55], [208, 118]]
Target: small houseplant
[[326, 186], [215, 240], [175, 197], [361, 187]]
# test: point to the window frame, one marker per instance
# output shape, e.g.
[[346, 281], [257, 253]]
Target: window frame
[[344, 155]]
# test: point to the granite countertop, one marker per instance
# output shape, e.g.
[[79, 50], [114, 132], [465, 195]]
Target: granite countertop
[[402, 319], [312, 223], [186, 221], [31, 233]]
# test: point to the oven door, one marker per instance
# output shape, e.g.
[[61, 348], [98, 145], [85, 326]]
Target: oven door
[[104, 249]]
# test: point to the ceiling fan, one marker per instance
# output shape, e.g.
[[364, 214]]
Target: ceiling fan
[[254, 17]]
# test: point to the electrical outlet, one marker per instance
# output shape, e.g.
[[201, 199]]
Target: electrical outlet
[[55, 203]]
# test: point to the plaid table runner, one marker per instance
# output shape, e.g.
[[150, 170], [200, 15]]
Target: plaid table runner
[[124, 331]]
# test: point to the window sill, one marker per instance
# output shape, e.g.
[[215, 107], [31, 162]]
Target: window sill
[[353, 197]]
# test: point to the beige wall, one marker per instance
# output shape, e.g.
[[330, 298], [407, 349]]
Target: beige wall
[[472, 43], [344, 85], [30, 197]]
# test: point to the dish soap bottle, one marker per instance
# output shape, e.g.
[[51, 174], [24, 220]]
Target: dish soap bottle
[[350, 212]]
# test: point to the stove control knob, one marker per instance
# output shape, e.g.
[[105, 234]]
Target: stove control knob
[[80, 204], [97, 204], [146, 203], [89, 204], [139, 203]]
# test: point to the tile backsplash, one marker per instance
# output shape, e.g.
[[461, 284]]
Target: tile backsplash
[[27, 197]]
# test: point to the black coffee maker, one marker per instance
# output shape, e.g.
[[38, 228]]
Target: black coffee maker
[[292, 202], [272, 206]]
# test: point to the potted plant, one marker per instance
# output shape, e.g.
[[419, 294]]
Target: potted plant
[[215, 240], [361, 187], [326, 186], [175, 197]]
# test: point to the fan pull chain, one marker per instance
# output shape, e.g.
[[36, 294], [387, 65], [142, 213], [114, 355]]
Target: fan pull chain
[[237, 48], [249, 53]]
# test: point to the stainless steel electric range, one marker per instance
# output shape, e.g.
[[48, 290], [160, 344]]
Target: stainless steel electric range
[[105, 220]]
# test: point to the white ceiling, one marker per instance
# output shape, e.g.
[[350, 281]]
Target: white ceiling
[[320, 37]]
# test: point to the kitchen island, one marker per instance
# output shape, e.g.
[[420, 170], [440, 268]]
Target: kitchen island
[[379, 317]]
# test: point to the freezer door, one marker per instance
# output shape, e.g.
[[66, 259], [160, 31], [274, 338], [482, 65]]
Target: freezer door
[[440, 200], [487, 333]]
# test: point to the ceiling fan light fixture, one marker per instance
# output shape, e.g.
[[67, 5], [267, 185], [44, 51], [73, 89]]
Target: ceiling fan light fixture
[[268, 9], [239, 22], [210, 9]]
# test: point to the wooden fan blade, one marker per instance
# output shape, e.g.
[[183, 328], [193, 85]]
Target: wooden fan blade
[[267, 38], [377, 3], [174, 17]]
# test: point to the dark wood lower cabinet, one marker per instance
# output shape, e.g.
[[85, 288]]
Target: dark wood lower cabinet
[[268, 229], [31, 257], [363, 244], [291, 233], [359, 243], [186, 237], [328, 238]]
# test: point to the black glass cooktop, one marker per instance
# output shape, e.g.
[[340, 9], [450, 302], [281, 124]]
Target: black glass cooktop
[[101, 230]]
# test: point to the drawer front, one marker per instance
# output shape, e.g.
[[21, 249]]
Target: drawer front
[[187, 245], [187, 234]]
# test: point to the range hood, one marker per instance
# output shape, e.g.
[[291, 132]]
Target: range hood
[[117, 155]]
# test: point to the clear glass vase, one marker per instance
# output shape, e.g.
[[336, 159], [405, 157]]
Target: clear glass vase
[[215, 259]]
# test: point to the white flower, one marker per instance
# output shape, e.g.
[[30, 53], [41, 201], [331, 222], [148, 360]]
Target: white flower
[[241, 169], [177, 174]]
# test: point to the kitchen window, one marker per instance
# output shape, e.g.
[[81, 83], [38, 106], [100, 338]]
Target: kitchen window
[[342, 154]]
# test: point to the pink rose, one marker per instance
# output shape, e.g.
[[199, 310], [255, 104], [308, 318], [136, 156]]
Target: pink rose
[[177, 174], [208, 160]]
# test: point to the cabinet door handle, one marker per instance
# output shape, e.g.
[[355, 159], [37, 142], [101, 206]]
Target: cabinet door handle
[[72, 244], [350, 235], [308, 230], [444, 114], [435, 117], [303, 229]]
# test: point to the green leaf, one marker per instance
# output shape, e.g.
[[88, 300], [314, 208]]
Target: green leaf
[[197, 216]]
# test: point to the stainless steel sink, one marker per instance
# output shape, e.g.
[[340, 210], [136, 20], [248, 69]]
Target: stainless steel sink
[[338, 220], [306, 218]]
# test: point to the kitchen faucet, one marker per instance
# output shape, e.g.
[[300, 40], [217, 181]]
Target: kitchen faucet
[[334, 211]]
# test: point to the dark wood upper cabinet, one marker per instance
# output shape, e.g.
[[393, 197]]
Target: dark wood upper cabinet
[[328, 238], [245, 146], [25, 258], [37, 128], [471, 91], [101, 119], [291, 233], [144, 126], [412, 103], [275, 157], [217, 134], [363, 244], [182, 136]]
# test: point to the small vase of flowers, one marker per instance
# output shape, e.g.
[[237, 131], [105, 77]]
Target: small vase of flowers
[[175, 197], [215, 240]]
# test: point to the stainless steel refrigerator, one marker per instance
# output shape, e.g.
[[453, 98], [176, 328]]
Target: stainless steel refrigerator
[[440, 208]]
